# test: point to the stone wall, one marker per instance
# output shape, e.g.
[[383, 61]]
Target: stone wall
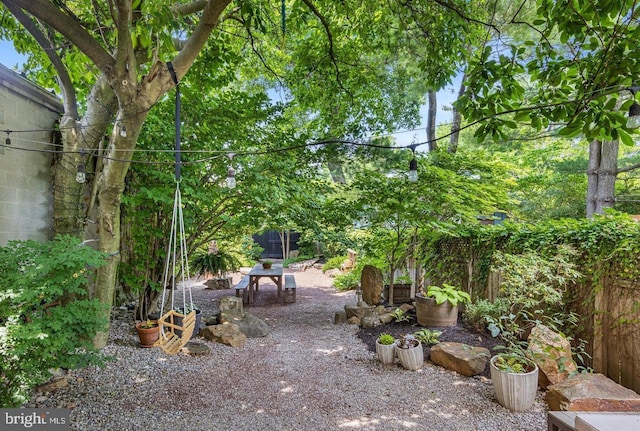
[[26, 198]]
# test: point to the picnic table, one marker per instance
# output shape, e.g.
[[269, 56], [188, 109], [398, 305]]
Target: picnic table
[[275, 274]]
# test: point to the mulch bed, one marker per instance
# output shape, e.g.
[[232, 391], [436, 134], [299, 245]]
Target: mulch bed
[[460, 333]]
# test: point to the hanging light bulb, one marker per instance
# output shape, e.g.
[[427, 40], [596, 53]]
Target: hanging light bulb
[[81, 177], [633, 122], [231, 178], [123, 131], [8, 140], [413, 171]]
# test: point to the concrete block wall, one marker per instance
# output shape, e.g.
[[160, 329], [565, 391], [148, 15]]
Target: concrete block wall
[[26, 182]]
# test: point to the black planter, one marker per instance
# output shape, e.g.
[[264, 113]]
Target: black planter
[[178, 321]]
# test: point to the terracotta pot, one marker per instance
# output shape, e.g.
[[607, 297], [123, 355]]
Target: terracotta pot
[[266, 265], [428, 313], [147, 336]]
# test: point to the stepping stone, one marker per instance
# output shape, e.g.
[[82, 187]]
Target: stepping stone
[[196, 349]]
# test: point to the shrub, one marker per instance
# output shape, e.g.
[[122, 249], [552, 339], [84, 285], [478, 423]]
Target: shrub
[[334, 263], [45, 319], [483, 313], [347, 281]]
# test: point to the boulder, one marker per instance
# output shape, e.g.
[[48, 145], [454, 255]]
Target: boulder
[[340, 317], [353, 320], [591, 393], [461, 358], [231, 303], [370, 322], [358, 311], [371, 285], [334, 272], [53, 385], [195, 349], [249, 325], [226, 333], [552, 353]]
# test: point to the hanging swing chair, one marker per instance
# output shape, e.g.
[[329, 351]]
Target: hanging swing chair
[[178, 324]]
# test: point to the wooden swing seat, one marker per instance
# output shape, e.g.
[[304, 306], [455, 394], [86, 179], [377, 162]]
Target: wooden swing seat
[[169, 341]]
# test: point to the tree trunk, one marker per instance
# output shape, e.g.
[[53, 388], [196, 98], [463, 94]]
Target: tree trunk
[[601, 176], [431, 121], [456, 122]]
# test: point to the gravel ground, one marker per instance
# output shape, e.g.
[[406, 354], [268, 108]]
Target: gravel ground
[[308, 374]]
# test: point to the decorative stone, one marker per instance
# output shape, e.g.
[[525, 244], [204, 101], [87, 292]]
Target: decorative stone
[[195, 349], [218, 283], [334, 272], [340, 317], [249, 325], [552, 353], [231, 303], [591, 393], [357, 310], [227, 333], [371, 282], [386, 318], [406, 307], [55, 384], [461, 358], [370, 322], [353, 320]]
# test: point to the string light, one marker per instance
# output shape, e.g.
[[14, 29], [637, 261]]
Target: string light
[[633, 122], [230, 182], [413, 166], [81, 176], [8, 140]]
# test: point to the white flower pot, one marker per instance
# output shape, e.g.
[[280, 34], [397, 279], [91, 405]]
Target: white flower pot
[[515, 391], [386, 352], [411, 358]]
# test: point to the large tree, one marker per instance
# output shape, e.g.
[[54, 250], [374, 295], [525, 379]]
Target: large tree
[[114, 60]]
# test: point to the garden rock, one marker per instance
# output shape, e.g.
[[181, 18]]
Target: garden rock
[[371, 285], [591, 393], [370, 321], [54, 384], [340, 317], [231, 303], [386, 318], [227, 333], [249, 325], [461, 358], [358, 311], [332, 272], [196, 349], [218, 283], [552, 353]]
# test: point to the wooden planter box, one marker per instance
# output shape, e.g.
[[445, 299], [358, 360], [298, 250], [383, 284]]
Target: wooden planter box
[[401, 293]]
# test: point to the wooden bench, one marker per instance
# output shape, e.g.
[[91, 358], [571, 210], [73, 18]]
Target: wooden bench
[[289, 288], [241, 289]]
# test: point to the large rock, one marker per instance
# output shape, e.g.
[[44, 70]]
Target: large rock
[[552, 352], [231, 303], [591, 393], [371, 285], [227, 333], [358, 311], [249, 325], [461, 358]]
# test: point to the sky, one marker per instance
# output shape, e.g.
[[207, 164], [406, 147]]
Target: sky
[[445, 97]]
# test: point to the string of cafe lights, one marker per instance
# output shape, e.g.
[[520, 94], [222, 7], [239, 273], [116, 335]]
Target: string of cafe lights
[[633, 122]]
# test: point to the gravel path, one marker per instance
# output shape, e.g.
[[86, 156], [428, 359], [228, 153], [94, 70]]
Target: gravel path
[[308, 374]]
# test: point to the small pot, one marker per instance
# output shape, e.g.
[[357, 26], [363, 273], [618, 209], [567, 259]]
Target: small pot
[[386, 352], [266, 265], [517, 392], [411, 358], [147, 336]]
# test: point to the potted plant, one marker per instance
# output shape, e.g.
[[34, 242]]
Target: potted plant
[[266, 264], [148, 332], [438, 305], [385, 348], [515, 378], [410, 353], [178, 320], [214, 264]]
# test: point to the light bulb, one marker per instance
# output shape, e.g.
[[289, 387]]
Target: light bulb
[[7, 141], [633, 122], [80, 176], [231, 179], [413, 171]]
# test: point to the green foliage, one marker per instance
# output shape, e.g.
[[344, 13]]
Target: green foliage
[[386, 339], [515, 361], [333, 263], [299, 258], [46, 321], [483, 314], [217, 264], [251, 250], [428, 336], [447, 292], [399, 315], [347, 281]]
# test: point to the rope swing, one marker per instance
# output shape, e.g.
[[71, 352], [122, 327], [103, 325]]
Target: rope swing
[[177, 325]]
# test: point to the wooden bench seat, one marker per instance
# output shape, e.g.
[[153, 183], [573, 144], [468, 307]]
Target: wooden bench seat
[[289, 288], [241, 289]]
